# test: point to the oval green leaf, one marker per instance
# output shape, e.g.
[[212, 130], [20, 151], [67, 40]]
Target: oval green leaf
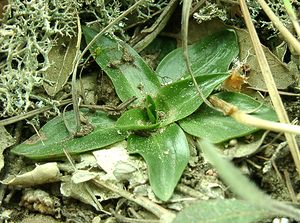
[[225, 211], [130, 75], [167, 154], [180, 99], [213, 54], [54, 137], [210, 124]]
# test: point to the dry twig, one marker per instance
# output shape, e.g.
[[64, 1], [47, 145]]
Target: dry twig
[[164, 215], [246, 119], [289, 38], [269, 81], [184, 35], [292, 15], [31, 113]]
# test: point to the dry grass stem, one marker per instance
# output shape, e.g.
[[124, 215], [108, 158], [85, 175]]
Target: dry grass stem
[[184, 35], [289, 38], [246, 119], [292, 15], [29, 114], [158, 26], [164, 215], [289, 186], [269, 81], [73, 83]]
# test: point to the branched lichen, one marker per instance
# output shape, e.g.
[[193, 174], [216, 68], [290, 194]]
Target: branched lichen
[[210, 11], [277, 7], [224, 10], [28, 31]]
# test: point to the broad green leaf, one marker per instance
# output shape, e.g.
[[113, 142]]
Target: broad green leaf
[[135, 119], [166, 153], [180, 99], [225, 211], [54, 137], [215, 126], [130, 75], [213, 54]]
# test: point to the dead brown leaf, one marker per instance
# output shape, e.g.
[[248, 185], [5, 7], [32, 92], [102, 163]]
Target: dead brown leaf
[[62, 58], [282, 75], [41, 174]]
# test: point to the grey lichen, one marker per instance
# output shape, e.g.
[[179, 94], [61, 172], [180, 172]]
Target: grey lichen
[[210, 11], [277, 7], [225, 10], [28, 30]]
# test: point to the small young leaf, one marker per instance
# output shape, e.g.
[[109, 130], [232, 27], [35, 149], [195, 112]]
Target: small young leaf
[[180, 99], [216, 127], [214, 54], [166, 153], [225, 211], [151, 109], [54, 137], [135, 119], [130, 75]]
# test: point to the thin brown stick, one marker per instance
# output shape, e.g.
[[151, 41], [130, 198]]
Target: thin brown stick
[[124, 219], [21, 117], [157, 27], [290, 186], [293, 17], [73, 82], [184, 35], [277, 171], [280, 92], [270, 83], [164, 215]]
